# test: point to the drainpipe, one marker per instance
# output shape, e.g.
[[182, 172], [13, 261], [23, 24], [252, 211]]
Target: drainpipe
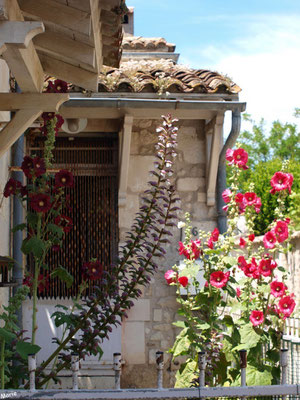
[[221, 177], [18, 218]]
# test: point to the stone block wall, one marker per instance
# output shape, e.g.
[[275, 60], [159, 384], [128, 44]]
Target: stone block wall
[[149, 324]]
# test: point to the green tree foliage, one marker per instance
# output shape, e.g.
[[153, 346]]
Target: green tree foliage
[[267, 151]]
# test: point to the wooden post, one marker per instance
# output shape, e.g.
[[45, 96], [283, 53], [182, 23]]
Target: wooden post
[[243, 365], [202, 367]]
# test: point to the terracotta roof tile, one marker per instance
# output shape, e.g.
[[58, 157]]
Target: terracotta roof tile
[[133, 43], [163, 76]]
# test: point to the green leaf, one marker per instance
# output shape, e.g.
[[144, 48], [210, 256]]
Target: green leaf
[[7, 335], [186, 374], [203, 326], [180, 324], [35, 246], [32, 219], [18, 227], [281, 269], [25, 348], [60, 318], [63, 275], [249, 338], [255, 377], [57, 230]]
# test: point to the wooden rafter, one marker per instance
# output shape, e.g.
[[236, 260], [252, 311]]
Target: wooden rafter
[[95, 16]]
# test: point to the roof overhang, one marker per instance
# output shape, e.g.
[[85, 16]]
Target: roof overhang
[[70, 40]]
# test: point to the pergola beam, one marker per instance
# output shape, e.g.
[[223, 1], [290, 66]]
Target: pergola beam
[[32, 101], [16, 127], [95, 16]]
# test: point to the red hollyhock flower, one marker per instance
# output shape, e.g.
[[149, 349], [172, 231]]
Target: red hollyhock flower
[[238, 292], [39, 166], [242, 243], [11, 187], [56, 247], [269, 240], [183, 280], [171, 276], [239, 199], [47, 116], [251, 270], [250, 198], [286, 306], [256, 317], [60, 121], [210, 243], [27, 166], [215, 235], [229, 156], [277, 289], [64, 178], [195, 247], [218, 279], [92, 270], [266, 266], [65, 222], [251, 237], [242, 263], [227, 195], [281, 231], [281, 181], [57, 86], [40, 202]]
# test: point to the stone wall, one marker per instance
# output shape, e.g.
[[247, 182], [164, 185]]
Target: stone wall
[[149, 324]]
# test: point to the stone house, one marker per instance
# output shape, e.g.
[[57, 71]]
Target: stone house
[[114, 110]]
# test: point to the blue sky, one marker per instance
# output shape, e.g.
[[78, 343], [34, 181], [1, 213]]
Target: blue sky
[[256, 43]]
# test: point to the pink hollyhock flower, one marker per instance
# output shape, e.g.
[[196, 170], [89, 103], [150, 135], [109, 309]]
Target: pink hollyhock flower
[[251, 237], [218, 279], [250, 198], [238, 292], [242, 243], [210, 243], [286, 306], [225, 208], [257, 205], [215, 235], [229, 156], [281, 231], [256, 317], [183, 250], [242, 263], [266, 266], [281, 181], [183, 280], [195, 247], [239, 199], [269, 240], [171, 276], [251, 270], [227, 195], [277, 289]]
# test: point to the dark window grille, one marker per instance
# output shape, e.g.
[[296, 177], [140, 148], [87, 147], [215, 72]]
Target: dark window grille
[[93, 207]]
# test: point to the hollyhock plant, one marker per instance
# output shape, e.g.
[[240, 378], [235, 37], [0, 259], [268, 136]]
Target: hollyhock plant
[[39, 166], [64, 178], [227, 195], [242, 243], [269, 240], [92, 270], [281, 181], [65, 222], [27, 166], [11, 187], [266, 266], [281, 231], [183, 280], [256, 317], [218, 279], [278, 289], [239, 157], [171, 276], [40, 202], [286, 306]]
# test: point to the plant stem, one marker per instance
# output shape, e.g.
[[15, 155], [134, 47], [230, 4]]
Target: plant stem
[[35, 285], [2, 364]]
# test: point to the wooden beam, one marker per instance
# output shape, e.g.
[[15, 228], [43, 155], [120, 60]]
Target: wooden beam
[[70, 73], [125, 142], [65, 49], [16, 127], [102, 125], [26, 67], [213, 160], [32, 101], [95, 15], [18, 33], [210, 125], [10, 10], [59, 14]]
